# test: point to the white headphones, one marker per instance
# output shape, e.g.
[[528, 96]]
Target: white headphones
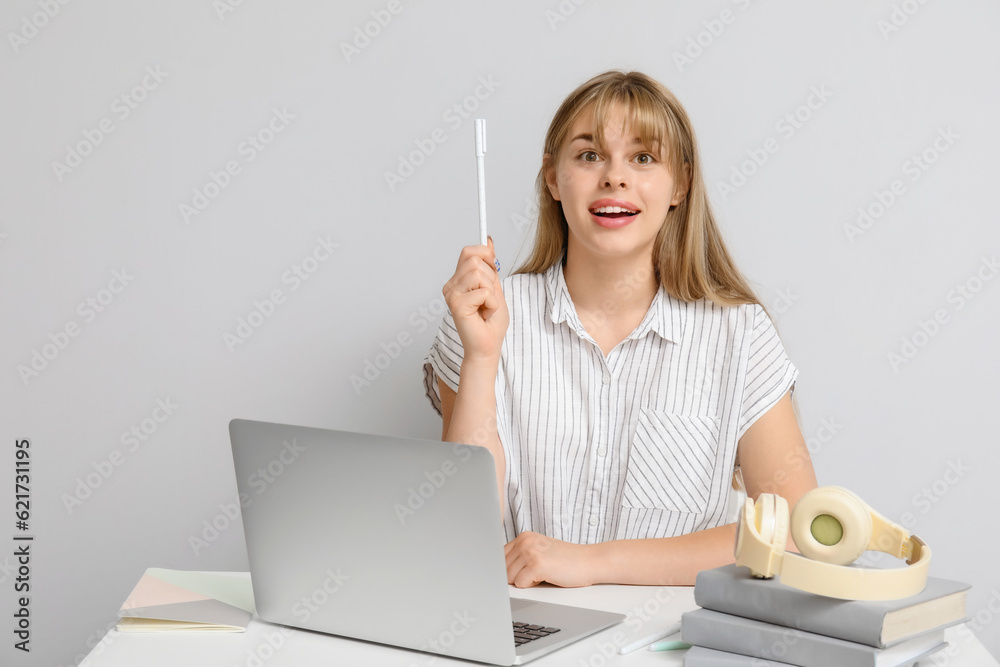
[[831, 527]]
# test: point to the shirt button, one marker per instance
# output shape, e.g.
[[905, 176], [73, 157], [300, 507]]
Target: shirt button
[[607, 378], [602, 451], [593, 521]]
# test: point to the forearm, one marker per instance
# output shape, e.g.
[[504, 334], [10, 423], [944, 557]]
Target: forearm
[[474, 417], [664, 561]]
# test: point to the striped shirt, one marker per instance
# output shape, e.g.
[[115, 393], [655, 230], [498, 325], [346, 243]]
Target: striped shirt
[[638, 444]]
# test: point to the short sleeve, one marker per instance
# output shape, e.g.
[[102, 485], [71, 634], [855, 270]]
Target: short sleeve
[[444, 360], [770, 373]]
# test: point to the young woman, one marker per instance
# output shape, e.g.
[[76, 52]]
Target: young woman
[[626, 377]]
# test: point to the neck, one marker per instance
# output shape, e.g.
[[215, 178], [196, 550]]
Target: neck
[[620, 285]]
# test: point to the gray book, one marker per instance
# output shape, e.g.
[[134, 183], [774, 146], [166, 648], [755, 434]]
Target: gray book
[[698, 656], [733, 590], [765, 641]]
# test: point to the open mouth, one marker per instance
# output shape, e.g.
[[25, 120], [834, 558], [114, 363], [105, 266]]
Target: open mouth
[[613, 212]]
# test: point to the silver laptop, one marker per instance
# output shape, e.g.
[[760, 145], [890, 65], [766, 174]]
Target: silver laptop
[[391, 540]]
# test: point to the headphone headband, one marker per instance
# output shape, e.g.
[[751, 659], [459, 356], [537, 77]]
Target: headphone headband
[[832, 527]]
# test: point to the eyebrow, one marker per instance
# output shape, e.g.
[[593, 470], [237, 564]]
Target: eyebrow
[[590, 138]]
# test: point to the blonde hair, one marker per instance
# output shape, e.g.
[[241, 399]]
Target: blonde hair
[[690, 259]]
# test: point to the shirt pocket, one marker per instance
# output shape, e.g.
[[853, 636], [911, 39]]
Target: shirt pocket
[[671, 462]]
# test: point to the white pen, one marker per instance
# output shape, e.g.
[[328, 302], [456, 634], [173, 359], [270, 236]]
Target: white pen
[[646, 641], [481, 174]]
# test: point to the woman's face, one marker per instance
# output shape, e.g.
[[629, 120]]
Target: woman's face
[[614, 200]]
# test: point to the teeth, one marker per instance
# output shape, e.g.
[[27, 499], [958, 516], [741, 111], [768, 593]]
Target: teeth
[[613, 209]]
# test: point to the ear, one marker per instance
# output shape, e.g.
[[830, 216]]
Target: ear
[[549, 169], [681, 185]]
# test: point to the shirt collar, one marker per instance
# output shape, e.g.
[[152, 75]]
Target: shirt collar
[[664, 317]]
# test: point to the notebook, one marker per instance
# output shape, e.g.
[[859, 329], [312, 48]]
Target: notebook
[[391, 540], [180, 601]]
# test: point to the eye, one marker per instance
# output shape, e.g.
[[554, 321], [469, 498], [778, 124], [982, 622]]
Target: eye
[[644, 158], [589, 156]]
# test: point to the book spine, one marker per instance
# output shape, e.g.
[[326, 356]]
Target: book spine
[[780, 606], [723, 632]]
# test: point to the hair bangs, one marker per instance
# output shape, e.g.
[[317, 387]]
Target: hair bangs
[[644, 117]]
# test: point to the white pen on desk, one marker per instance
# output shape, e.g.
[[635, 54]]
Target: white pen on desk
[[646, 641], [481, 176]]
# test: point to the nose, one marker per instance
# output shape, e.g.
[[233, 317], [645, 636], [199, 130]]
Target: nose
[[614, 174]]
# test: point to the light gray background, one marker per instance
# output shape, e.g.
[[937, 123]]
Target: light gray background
[[917, 440]]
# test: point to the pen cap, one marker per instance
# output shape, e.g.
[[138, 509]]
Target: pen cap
[[480, 137]]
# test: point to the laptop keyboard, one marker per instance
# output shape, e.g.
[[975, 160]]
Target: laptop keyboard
[[524, 633]]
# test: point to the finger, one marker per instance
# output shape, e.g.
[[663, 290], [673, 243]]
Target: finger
[[511, 555], [513, 550], [496, 262], [471, 276], [475, 272], [514, 569], [482, 301], [524, 577], [485, 253]]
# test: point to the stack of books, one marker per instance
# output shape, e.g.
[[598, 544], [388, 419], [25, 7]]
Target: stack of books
[[744, 621]]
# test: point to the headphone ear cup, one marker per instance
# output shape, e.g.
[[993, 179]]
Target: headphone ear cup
[[832, 525], [772, 520]]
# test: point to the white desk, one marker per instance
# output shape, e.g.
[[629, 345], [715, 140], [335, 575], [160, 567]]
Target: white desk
[[264, 644]]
